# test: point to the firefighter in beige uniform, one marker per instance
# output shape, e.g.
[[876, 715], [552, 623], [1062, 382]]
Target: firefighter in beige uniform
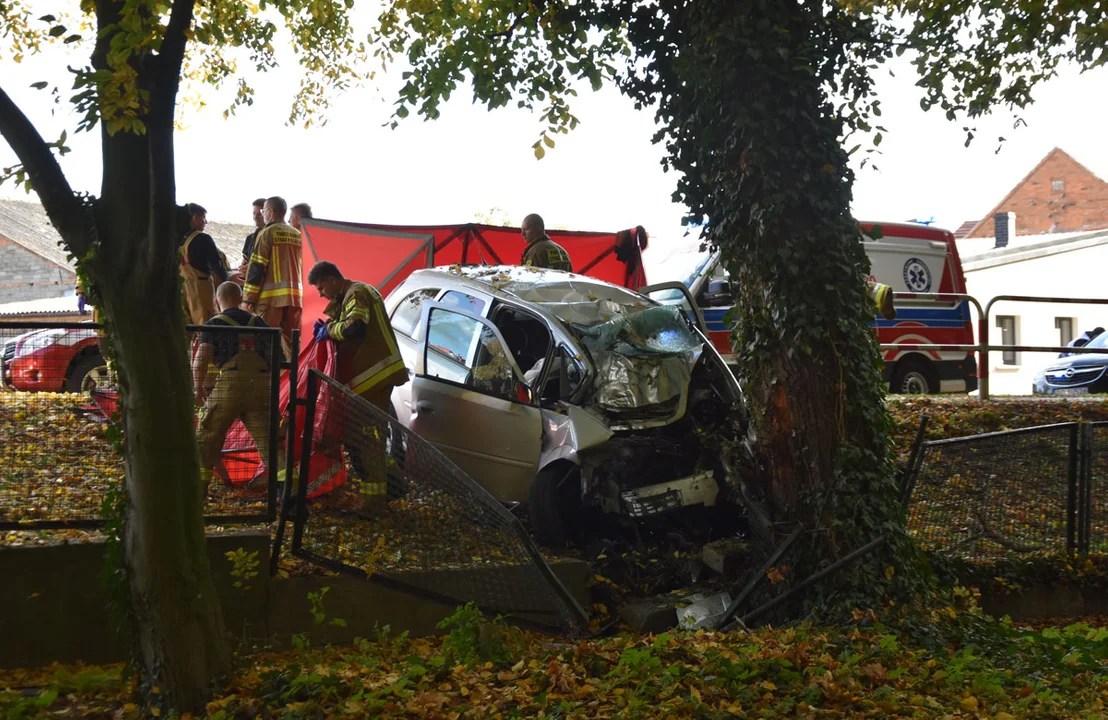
[[241, 389], [368, 363], [203, 267], [541, 251]]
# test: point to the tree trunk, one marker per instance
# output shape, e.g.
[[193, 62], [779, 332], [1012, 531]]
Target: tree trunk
[[758, 142], [178, 618]]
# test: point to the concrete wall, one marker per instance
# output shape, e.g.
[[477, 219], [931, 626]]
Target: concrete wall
[[27, 276], [1070, 274], [53, 608]]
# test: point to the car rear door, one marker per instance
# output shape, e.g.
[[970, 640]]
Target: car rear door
[[469, 399]]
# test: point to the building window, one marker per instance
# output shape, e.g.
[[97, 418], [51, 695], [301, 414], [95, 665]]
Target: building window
[[1057, 185], [1065, 330], [1007, 325]]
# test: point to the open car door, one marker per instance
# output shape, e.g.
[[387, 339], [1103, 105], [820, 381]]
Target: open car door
[[675, 293], [470, 401]]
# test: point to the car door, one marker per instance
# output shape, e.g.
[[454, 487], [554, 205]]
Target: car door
[[469, 399], [675, 293]]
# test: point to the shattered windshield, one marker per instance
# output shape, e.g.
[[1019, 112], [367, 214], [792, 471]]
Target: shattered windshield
[[660, 330], [644, 359]]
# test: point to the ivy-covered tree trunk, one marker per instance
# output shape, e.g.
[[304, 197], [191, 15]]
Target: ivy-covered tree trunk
[[758, 143], [126, 241]]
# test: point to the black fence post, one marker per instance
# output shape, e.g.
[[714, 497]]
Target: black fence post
[[908, 474], [274, 423], [1073, 473], [305, 461], [1085, 488]]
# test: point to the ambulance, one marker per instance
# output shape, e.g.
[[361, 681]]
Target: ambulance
[[909, 257]]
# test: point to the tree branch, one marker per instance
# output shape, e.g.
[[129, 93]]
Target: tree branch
[[64, 209], [171, 57]]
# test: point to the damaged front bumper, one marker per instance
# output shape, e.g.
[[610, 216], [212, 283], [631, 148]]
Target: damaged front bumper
[[698, 489]]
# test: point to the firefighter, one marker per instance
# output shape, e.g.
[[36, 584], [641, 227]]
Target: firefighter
[[203, 267], [298, 212], [242, 387], [368, 362], [272, 288], [248, 245], [881, 296], [541, 251]]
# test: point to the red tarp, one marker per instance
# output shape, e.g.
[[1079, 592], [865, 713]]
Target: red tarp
[[385, 255]]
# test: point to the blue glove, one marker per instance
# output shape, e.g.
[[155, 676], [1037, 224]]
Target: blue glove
[[320, 330], [81, 305]]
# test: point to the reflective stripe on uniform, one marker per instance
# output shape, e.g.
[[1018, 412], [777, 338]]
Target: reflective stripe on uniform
[[368, 379], [324, 477]]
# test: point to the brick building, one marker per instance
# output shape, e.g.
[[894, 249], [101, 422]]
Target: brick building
[[1058, 195], [33, 264]]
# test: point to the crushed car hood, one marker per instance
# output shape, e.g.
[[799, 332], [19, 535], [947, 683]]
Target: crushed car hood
[[644, 359]]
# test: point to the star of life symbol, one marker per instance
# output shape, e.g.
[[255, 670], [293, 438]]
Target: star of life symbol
[[917, 276]]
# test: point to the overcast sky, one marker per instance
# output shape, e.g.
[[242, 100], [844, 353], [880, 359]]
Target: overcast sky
[[606, 175]]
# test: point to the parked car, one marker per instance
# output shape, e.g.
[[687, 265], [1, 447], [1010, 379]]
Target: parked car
[[1082, 374], [55, 360], [564, 391]]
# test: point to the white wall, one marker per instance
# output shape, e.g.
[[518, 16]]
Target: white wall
[[1076, 274]]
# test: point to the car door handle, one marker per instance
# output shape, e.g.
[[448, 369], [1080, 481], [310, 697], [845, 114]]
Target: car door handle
[[424, 407]]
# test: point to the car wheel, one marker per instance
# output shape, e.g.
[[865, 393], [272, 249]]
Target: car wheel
[[555, 496], [89, 372], [914, 377]]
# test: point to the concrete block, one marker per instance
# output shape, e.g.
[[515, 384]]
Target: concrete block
[[649, 616], [728, 557]]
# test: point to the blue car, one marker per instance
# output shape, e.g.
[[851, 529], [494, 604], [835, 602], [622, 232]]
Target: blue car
[[1082, 374]]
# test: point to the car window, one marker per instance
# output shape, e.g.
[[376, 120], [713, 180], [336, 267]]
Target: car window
[[1100, 340], [405, 318], [465, 351], [563, 378], [462, 301]]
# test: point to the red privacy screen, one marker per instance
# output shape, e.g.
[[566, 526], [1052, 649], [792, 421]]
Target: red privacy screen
[[385, 255]]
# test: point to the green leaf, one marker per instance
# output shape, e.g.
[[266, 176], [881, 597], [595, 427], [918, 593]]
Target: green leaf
[[39, 85], [539, 151], [57, 31]]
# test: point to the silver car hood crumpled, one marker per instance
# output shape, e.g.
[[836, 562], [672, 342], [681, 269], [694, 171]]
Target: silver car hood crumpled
[[644, 359]]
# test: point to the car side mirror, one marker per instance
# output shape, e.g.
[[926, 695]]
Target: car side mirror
[[718, 293], [524, 394]]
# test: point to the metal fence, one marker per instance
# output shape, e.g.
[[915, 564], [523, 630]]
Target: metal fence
[[1040, 490], [376, 501], [59, 404]]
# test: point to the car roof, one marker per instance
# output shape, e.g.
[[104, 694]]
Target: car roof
[[530, 285]]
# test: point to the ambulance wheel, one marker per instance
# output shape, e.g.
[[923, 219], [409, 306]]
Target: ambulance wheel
[[554, 498], [914, 376], [89, 372]]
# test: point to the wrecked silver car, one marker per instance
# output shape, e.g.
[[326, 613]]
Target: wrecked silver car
[[563, 392]]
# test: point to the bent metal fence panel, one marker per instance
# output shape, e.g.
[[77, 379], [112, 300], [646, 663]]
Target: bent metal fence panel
[[384, 504], [58, 403], [998, 494]]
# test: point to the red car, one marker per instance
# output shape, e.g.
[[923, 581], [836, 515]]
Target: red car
[[54, 360]]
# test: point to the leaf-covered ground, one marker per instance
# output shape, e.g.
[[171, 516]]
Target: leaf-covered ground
[[57, 463], [483, 670]]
